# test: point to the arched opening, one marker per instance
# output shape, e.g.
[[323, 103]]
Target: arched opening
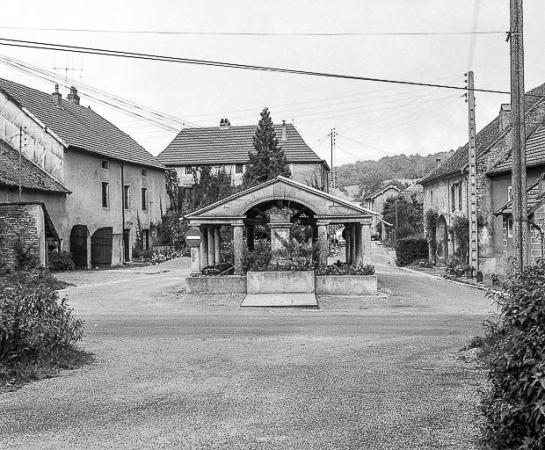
[[78, 245], [101, 247], [442, 241]]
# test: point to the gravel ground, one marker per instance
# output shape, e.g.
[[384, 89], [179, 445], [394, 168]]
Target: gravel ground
[[197, 372]]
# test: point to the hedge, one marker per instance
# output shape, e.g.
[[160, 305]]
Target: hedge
[[409, 250]]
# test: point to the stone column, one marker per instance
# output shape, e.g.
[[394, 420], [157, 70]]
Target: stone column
[[347, 249], [366, 243], [210, 242], [217, 246], [359, 244], [203, 248], [353, 251], [322, 240], [238, 246], [195, 261]]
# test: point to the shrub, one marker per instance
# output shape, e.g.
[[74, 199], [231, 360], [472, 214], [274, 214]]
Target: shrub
[[346, 269], [61, 261], [411, 249], [36, 328], [515, 406], [24, 256], [259, 258]]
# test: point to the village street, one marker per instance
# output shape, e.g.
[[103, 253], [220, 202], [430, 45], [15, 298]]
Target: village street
[[198, 372]]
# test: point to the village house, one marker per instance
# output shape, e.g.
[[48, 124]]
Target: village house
[[114, 188], [445, 188], [227, 146], [375, 202]]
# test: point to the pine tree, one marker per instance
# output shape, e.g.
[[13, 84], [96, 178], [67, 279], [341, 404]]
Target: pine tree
[[268, 161]]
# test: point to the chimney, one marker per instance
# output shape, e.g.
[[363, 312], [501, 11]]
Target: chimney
[[56, 96], [73, 96], [505, 117], [224, 123], [284, 131], [437, 162]]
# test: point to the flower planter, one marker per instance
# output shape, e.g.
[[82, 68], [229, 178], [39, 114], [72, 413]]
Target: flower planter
[[346, 285], [281, 282]]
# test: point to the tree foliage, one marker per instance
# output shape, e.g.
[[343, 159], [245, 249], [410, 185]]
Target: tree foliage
[[268, 160], [410, 215]]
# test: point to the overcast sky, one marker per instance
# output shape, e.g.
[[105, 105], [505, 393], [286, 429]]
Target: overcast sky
[[372, 119]]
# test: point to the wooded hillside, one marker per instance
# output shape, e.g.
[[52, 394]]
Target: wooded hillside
[[371, 175]]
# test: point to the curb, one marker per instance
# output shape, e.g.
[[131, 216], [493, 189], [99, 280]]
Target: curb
[[475, 286]]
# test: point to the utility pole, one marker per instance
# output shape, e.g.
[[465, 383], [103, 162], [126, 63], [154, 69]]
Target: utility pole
[[472, 181], [518, 134], [332, 134], [20, 164]]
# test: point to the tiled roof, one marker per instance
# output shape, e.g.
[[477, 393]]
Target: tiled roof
[[535, 154], [484, 139], [79, 126], [31, 176], [380, 191], [229, 145], [532, 199]]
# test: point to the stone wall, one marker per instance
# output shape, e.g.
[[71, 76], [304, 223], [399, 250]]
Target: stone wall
[[24, 223]]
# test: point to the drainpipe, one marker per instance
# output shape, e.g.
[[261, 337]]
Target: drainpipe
[[122, 214]]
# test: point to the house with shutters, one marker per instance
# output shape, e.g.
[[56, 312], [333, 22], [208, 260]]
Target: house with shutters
[[227, 146], [114, 188], [446, 187]]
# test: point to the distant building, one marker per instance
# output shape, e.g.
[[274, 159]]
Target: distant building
[[111, 183], [375, 202], [227, 147]]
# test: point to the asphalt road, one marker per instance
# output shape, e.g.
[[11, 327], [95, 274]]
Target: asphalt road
[[186, 372]]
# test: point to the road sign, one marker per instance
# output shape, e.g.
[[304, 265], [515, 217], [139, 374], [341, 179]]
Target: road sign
[[193, 237]]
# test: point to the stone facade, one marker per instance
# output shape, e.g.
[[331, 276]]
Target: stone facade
[[22, 223]]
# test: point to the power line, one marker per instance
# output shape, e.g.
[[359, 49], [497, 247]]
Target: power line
[[152, 57], [256, 33]]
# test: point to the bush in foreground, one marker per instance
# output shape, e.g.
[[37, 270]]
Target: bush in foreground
[[38, 332], [515, 406]]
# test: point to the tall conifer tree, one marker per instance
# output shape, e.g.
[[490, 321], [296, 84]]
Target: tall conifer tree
[[268, 161]]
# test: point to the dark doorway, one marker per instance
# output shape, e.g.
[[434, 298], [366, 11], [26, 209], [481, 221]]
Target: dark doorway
[[101, 247], [126, 245], [78, 245]]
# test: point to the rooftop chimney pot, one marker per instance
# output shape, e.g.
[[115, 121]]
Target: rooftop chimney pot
[[505, 117], [56, 96], [73, 96], [437, 162], [224, 123], [284, 131]]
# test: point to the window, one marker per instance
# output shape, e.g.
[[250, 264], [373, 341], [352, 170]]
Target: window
[[105, 164], [126, 197], [452, 198], [188, 170], [238, 168], [144, 172], [509, 227], [105, 195], [509, 193], [460, 196], [144, 199]]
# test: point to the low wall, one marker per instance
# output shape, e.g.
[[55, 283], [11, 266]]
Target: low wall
[[346, 285], [231, 284], [281, 282]]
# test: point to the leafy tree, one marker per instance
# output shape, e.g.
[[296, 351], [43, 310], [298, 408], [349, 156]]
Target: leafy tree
[[172, 183], [210, 186], [268, 161], [410, 215]]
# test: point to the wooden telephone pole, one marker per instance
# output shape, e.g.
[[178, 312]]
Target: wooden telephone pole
[[332, 134], [518, 135], [472, 181]]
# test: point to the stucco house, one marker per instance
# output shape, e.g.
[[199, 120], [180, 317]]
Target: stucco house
[[112, 183], [445, 188], [227, 146], [375, 202]]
